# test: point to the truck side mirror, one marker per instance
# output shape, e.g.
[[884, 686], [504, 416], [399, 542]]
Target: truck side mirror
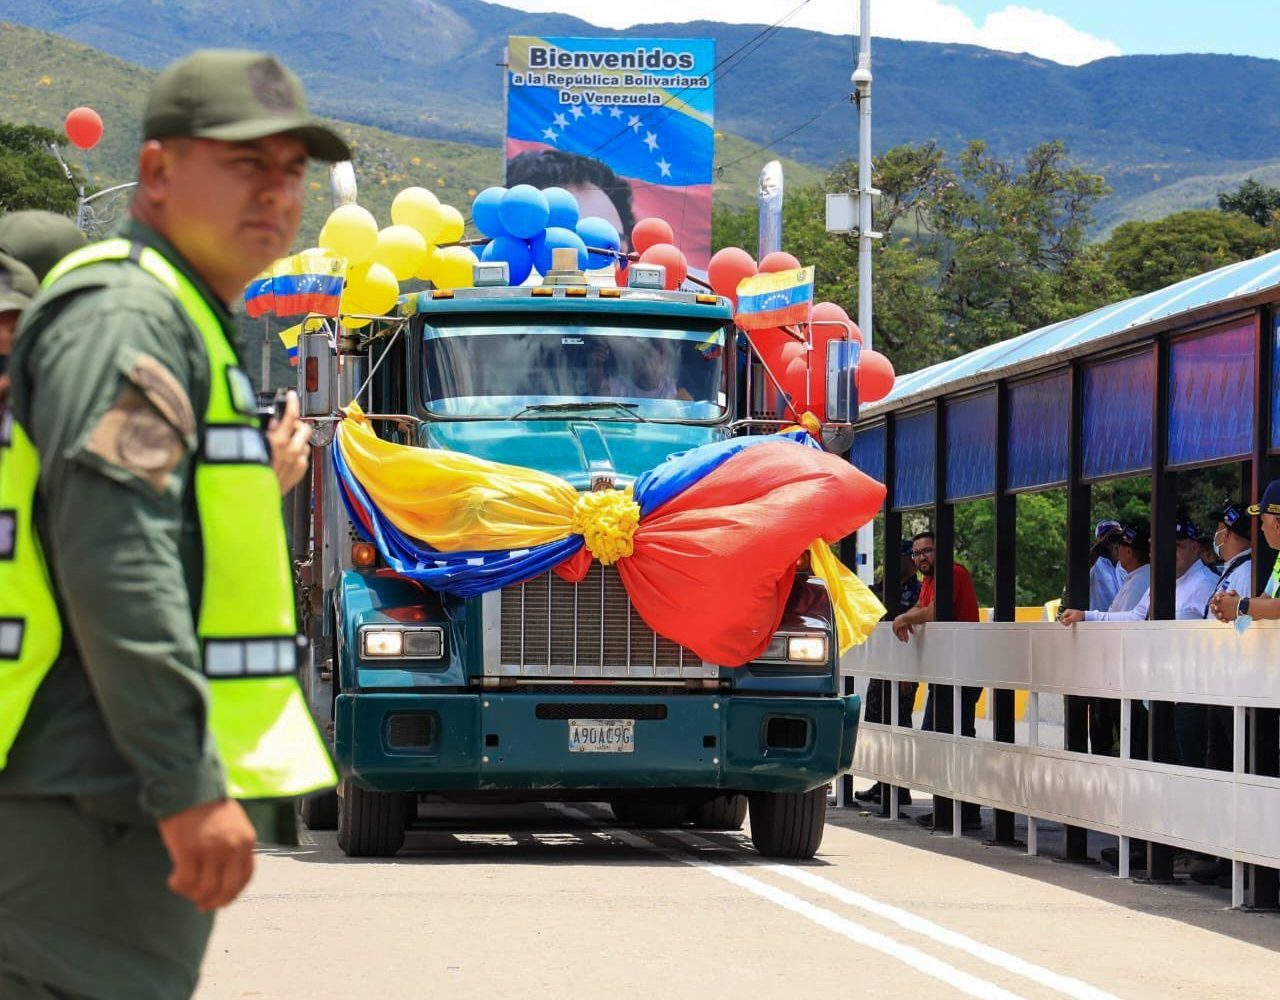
[[842, 383], [317, 375]]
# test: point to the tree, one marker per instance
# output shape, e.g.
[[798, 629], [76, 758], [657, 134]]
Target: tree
[[1145, 256], [30, 175], [1257, 201]]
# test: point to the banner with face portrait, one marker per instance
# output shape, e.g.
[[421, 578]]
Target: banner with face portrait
[[625, 124]]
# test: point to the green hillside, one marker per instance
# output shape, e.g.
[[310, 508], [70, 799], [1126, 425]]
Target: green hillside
[[43, 76], [1199, 191]]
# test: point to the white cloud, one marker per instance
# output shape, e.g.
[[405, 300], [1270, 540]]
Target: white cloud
[[1012, 29]]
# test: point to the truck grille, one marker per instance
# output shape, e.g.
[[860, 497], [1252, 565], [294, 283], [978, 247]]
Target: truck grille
[[550, 628]]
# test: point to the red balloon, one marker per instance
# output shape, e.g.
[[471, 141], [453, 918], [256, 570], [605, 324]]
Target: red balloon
[[650, 232], [621, 274], [770, 340], [669, 257], [83, 127], [726, 270], [875, 377], [779, 260], [786, 360]]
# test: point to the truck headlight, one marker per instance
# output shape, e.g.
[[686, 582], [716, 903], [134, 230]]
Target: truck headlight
[[382, 642], [427, 643], [807, 648]]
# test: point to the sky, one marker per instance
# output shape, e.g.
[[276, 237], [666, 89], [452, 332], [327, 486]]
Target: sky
[[1072, 32]]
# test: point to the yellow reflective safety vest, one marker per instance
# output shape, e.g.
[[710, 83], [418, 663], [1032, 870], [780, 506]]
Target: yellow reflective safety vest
[[265, 734]]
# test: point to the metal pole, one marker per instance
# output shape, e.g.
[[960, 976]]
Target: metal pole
[[769, 197], [866, 567]]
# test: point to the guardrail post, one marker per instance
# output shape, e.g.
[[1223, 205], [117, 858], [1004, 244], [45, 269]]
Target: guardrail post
[[1264, 723], [1161, 743], [1006, 595], [892, 587], [1075, 710], [943, 695]]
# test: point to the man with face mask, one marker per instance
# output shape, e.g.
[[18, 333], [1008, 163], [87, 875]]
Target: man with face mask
[[1228, 605]]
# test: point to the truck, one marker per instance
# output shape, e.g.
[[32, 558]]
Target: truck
[[544, 690]]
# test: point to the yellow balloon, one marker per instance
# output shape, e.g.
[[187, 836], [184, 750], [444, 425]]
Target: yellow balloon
[[401, 250], [452, 267], [353, 324], [429, 262], [350, 232], [371, 289], [419, 209], [451, 225]]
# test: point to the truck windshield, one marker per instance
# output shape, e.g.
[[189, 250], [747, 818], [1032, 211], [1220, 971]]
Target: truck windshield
[[474, 368]]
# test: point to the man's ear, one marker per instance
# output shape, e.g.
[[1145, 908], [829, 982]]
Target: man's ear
[[154, 177]]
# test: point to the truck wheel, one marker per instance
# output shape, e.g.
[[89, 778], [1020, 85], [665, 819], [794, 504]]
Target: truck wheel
[[788, 824], [656, 815], [724, 812], [410, 804], [370, 824], [621, 809], [320, 811]]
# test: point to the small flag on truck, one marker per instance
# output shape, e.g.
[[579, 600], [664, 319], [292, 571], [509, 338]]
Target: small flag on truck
[[307, 282], [774, 299]]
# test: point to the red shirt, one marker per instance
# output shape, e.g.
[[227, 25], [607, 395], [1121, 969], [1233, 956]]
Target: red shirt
[[964, 599]]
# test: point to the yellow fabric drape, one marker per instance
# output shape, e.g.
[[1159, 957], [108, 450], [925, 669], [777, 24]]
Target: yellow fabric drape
[[857, 610], [455, 502]]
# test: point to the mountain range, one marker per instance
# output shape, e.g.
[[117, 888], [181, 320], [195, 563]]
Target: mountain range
[[1167, 132]]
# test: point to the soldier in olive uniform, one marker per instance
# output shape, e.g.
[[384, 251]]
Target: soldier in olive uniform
[[18, 286], [131, 608], [39, 239]]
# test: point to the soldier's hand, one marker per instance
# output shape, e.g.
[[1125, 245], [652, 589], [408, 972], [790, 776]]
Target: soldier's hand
[[212, 850], [1071, 616], [290, 440]]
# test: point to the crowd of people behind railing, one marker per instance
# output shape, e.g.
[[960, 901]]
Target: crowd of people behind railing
[[1214, 575]]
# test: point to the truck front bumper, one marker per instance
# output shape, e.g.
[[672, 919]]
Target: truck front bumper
[[513, 742]]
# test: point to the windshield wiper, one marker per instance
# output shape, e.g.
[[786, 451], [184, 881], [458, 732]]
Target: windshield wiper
[[604, 404]]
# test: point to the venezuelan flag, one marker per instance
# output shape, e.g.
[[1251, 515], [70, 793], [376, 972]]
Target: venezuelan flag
[[308, 283], [259, 296], [718, 528], [775, 299]]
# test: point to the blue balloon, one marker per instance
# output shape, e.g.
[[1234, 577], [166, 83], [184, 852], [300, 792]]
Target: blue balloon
[[556, 238], [564, 208], [515, 252], [523, 211], [484, 212], [599, 234]]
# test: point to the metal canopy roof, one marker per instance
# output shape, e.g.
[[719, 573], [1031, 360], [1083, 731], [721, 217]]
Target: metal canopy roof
[[985, 365]]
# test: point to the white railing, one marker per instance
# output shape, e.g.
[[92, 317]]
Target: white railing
[[1229, 814]]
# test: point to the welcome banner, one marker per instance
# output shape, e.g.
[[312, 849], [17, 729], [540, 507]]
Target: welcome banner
[[626, 124]]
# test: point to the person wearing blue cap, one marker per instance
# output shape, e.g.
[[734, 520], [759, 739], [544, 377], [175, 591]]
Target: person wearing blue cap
[[1105, 576]]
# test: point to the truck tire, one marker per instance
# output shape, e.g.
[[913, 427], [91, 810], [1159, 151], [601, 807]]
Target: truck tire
[[788, 824], [656, 815], [724, 812], [370, 824], [319, 811]]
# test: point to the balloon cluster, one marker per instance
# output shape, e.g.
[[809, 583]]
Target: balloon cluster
[[526, 225], [654, 241], [789, 357], [415, 245]]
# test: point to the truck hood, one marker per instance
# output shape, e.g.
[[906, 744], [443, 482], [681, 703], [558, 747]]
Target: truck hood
[[575, 450]]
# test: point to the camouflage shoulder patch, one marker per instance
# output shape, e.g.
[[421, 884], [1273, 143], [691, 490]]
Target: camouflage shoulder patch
[[133, 437], [163, 391]]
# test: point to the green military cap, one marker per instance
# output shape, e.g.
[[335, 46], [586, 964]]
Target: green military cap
[[39, 239], [235, 95], [18, 285]]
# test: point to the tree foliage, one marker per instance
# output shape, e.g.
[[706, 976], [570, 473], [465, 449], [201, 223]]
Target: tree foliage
[[30, 175], [1145, 256], [1259, 202]]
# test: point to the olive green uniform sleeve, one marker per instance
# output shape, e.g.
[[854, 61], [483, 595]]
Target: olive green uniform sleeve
[[115, 382]]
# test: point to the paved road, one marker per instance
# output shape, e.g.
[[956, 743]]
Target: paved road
[[557, 902]]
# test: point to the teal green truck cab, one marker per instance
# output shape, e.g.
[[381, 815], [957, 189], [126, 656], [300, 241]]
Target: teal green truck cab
[[546, 690]]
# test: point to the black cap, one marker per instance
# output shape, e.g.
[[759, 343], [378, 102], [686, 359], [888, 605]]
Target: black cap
[[1270, 502], [1235, 517], [235, 96], [1186, 529], [1134, 535]]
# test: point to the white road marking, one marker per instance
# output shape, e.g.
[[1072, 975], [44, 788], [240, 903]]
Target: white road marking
[[917, 959], [907, 920]]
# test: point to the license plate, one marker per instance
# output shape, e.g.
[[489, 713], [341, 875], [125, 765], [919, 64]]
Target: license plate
[[602, 735]]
